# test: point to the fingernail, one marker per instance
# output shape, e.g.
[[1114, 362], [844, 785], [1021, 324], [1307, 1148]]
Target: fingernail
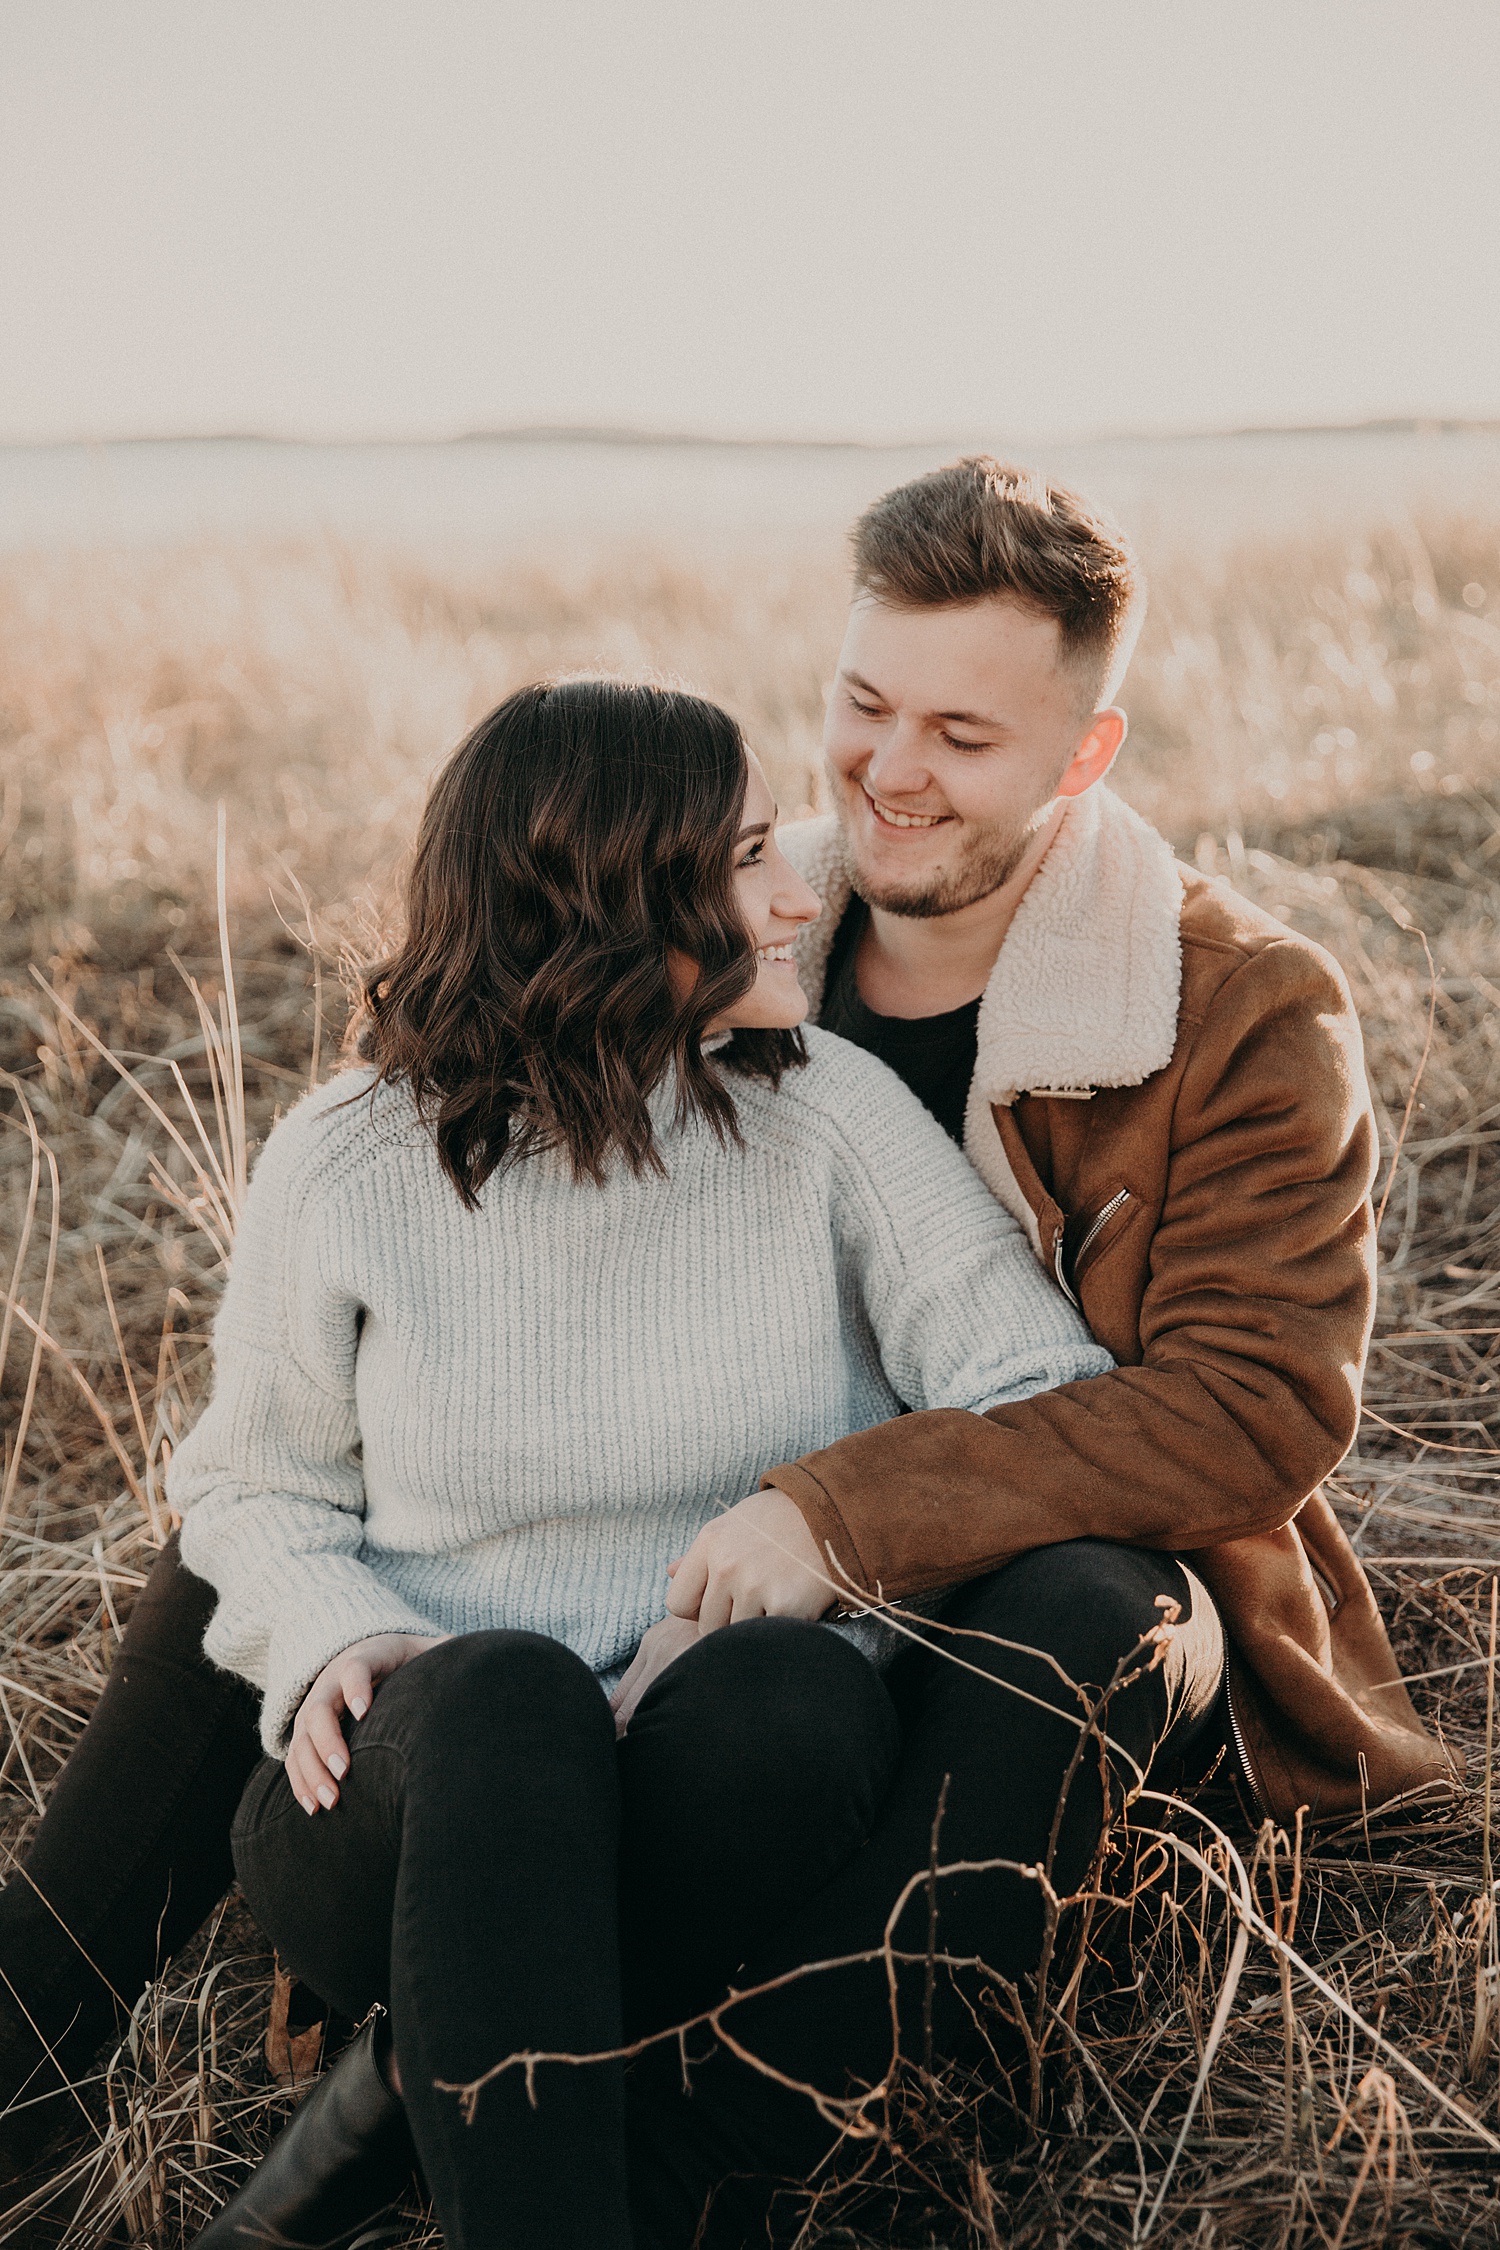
[[327, 1798], [359, 1707], [307, 1805], [338, 1767]]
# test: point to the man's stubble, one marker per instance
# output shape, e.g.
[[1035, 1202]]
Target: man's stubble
[[989, 858]]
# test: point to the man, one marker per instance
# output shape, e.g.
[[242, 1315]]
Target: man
[[1166, 1089], [1162, 1083]]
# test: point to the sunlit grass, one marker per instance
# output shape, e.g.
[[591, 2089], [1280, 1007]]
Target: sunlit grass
[[1317, 723]]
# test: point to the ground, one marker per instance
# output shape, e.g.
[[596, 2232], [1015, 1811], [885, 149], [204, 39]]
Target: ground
[[1317, 723]]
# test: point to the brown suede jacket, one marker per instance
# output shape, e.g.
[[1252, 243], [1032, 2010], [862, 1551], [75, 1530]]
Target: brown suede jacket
[[1170, 1097]]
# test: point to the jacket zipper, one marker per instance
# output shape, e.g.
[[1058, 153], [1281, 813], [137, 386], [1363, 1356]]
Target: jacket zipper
[[1120, 1197], [1063, 1282], [1110, 1208], [1241, 1748]]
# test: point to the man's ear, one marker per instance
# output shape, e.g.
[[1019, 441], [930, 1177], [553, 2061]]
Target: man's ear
[[1096, 752]]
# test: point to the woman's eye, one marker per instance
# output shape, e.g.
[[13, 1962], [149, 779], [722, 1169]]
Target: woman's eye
[[754, 856]]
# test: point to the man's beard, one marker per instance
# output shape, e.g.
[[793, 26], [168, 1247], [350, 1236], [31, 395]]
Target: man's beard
[[986, 864]]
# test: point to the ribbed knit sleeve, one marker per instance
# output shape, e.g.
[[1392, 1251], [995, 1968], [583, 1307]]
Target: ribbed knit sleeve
[[960, 1311], [269, 1482]]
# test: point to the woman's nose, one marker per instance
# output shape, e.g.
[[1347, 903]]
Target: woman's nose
[[797, 901]]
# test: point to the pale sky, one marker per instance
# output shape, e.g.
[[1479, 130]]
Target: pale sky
[[876, 218]]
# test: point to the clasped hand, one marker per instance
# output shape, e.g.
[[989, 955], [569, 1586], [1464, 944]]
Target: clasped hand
[[756, 1560], [318, 1757]]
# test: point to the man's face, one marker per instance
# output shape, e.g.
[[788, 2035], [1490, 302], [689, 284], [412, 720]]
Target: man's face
[[950, 734]]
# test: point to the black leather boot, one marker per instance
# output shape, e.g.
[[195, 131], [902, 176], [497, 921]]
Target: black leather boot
[[332, 2177]]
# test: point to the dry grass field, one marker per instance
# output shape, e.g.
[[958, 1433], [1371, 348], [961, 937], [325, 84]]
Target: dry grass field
[[1303, 2046]]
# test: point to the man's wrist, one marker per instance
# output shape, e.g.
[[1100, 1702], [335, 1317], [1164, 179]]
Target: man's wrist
[[838, 1557]]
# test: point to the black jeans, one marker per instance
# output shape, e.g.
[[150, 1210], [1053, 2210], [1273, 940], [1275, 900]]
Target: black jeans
[[132, 1854], [1000, 1730], [494, 1859], [493, 1855]]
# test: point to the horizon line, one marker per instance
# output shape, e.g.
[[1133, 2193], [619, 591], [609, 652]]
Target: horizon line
[[603, 434]]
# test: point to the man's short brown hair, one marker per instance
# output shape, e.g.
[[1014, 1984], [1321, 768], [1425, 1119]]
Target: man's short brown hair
[[981, 528]]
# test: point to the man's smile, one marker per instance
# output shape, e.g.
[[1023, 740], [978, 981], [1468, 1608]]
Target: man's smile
[[889, 817]]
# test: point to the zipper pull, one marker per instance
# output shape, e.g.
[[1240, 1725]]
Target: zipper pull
[[1063, 1282]]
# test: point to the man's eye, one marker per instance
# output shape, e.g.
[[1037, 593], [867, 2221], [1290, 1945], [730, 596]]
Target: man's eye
[[954, 743]]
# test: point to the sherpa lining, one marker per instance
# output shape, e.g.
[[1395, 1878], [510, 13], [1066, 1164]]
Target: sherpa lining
[[1087, 986]]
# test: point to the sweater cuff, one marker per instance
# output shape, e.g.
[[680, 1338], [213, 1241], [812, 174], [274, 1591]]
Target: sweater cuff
[[820, 1512], [299, 1652]]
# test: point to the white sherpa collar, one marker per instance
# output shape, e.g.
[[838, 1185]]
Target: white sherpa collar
[[1086, 989]]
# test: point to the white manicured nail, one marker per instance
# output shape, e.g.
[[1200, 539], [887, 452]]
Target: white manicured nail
[[327, 1798]]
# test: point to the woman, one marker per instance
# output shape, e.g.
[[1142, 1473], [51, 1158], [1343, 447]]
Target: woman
[[593, 1236]]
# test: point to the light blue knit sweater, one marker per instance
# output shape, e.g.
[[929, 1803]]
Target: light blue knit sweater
[[427, 1419]]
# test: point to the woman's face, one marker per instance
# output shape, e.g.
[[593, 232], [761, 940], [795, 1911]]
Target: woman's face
[[775, 904]]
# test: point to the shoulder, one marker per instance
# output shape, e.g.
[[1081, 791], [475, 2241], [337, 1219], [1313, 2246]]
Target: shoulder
[[865, 1119], [334, 1133], [846, 1084], [1234, 951], [1268, 1024]]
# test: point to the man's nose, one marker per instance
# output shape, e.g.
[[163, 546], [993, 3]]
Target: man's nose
[[897, 767]]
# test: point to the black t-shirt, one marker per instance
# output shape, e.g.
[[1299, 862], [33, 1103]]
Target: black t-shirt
[[934, 1054]]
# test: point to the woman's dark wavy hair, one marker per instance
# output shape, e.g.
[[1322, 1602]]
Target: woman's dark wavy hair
[[582, 835]]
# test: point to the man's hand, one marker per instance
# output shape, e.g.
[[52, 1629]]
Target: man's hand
[[319, 1757], [661, 1645], [757, 1560]]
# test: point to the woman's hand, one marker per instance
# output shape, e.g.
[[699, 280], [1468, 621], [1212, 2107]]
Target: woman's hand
[[756, 1560], [319, 1757], [661, 1645]]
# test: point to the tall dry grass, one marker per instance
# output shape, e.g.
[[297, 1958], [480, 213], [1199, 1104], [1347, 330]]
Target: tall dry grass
[[1318, 723]]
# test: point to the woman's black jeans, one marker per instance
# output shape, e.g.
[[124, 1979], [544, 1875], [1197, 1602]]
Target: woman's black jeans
[[999, 1730], [494, 1856], [494, 1860]]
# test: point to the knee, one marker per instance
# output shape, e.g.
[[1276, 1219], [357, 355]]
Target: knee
[[1088, 1604], [783, 1697], [494, 1686], [171, 1613], [1119, 1582]]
